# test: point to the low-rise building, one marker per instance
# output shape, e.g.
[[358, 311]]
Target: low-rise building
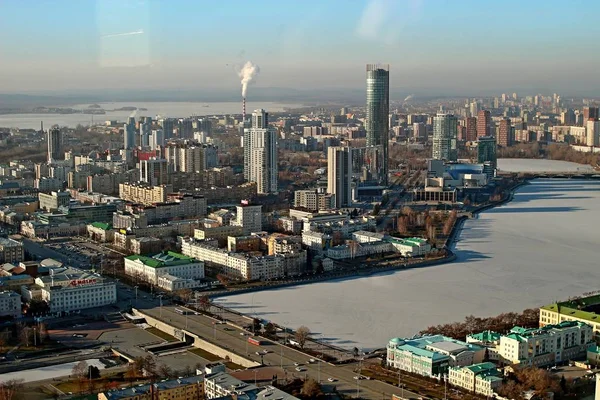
[[220, 233], [411, 247], [431, 355], [11, 251], [53, 200], [222, 384], [581, 309], [483, 378], [35, 229], [316, 241], [173, 283], [145, 245], [143, 193], [355, 249], [149, 269], [180, 388], [101, 232], [71, 289], [10, 304]]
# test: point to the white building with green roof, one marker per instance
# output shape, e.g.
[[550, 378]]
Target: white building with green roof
[[149, 269], [584, 309], [483, 378]]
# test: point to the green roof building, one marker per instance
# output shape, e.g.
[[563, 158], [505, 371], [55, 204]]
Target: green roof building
[[150, 268]]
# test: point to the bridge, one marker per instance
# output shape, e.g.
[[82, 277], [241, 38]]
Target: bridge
[[554, 174]]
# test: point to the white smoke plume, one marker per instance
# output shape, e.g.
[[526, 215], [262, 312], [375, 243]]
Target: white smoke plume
[[247, 73], [410, 96]]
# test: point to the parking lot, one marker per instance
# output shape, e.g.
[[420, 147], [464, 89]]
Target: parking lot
[[85, 254]]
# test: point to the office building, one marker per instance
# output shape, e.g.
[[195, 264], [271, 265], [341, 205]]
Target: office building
[[505, 138], [484, 123], [486, 150], [260, 153], [11, 251], [181, 388], [592, 132], [10, 304], [129, 134], [249, 217], [431, 355], [149, 269], [145, 129], [590, 113], [339, 175], [157, 139], [154, 171], [52, 201], [473, 109], [583, 309], [55, 145], [471, 129], [483, 378], [71, 289], [186, 129], [167, 125], [378, 109], [445, 130]]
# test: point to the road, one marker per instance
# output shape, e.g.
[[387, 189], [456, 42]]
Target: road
[[232, 339]]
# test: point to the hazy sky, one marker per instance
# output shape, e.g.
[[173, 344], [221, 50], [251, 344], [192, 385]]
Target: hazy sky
[[461, 46]]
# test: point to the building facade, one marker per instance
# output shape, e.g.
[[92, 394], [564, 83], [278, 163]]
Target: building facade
[[149, 269], [339, 175], [378, 109], [10, 304], [445, 131]]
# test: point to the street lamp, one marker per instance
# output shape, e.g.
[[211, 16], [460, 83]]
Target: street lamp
[[160, 296]]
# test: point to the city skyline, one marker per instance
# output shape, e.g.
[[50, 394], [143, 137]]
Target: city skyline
[[108, 45]]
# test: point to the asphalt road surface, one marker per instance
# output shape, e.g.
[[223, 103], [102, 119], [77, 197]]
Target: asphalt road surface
[[232, 339]]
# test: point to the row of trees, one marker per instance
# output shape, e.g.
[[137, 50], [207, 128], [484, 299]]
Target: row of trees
[[536, 379], [502, 323]]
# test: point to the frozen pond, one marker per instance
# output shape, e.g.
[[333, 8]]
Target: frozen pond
[[530, 165], [50, 372], [541, 247]]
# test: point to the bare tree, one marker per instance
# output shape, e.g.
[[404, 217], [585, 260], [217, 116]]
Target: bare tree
[[164, 371], [204, 302], [10, 389], [80, 370], [311, 389], [301, 335], [185, 295]]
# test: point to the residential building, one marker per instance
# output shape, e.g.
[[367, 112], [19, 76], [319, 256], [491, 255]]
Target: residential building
[[55, 145], [260, 153], [249, 217], [53, 200], [592, 132], [378, 109], [177, 206], [70, 289], [149, 269], [431, 355], [316, 241], [221, 384], [419, 131], [221, 233], [590, 113], [484, 123], [445, 131], [505, 138], [339, 175], [167, 125], [101, 232], [192, 157], [129, 134], [35, 229], [355, 249], [181, 388], [10, 304], [143, 193], [307, 199], [154, 171], [145, 245], [11, 251], [483, 378], [471, 129]]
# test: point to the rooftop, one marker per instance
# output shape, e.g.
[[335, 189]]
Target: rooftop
[[574, 307], [160, 260], [102, 225], [143, 389]]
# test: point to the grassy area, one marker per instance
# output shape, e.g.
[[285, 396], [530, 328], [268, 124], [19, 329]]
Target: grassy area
[[233, 366], [205, 354], [161, 334]]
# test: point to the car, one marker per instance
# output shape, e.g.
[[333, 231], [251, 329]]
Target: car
[[196, 313], [227, 329], [331, 379], [265, 351], [357, 377], [300, 369], [242, 334], [312, 360], [257, 353], [296, 364]]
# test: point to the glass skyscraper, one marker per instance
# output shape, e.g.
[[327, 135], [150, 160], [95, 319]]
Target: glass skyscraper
[[378, 109], [445, 130]]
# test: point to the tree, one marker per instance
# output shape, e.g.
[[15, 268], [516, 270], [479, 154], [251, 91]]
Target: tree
[[204, 303], [376, 209], [270, 329], [301, 335], [93, 372], [80, 370], [311, 389], [185, 295], [355, 352], [2, 343], [563, 384], [164, 371], [10, 389]]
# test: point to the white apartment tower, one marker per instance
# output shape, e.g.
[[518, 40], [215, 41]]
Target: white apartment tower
[[339, 175], [260, 153]]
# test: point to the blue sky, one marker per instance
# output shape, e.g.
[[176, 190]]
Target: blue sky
[[460, 46]]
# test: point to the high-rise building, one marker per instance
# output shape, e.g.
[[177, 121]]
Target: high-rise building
[[260, 153], [249, 217], [186, 129], [129, 134], [167, 125], [473, 109], [378, 109], [157, 139], [593, 132], [445, 137], [504, 133], [145, 131], [55, 145], [154, 171], [339, 175], [486, 150], [419, 131], [471, 125], [484, 123], [590, 113], [568, 117]]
